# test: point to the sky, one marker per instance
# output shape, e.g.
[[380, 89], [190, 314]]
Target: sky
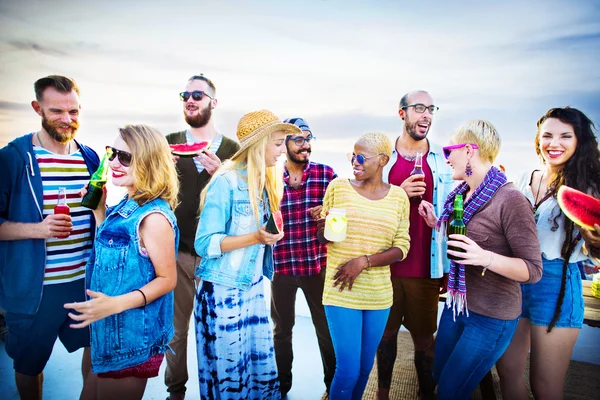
[[341, 65]]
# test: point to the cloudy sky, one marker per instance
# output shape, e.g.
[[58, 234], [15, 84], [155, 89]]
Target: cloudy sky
[[341, 64]]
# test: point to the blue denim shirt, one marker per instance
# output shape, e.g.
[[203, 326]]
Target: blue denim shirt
[[117, 266], [442, 185], [227, 212]]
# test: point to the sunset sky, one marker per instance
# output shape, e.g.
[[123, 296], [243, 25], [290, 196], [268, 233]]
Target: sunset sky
[[342, 65]]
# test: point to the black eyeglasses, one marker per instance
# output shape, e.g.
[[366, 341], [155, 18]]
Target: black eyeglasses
[[420, 108], [196, 95], [123, 156], [359, 158], [299, 140]]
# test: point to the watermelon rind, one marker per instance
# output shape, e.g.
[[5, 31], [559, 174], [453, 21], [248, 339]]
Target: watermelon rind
[[581, 208], [188, 149], [271, 225]]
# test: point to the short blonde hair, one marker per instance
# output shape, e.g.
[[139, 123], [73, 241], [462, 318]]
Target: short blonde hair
[[379, 143], [483, 134], [154, 173]]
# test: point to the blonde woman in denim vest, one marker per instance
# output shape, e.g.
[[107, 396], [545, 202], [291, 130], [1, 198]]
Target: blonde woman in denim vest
[[131, 273], [233, 334]]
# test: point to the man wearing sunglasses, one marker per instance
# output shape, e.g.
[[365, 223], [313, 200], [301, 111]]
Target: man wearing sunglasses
[[418, 280], [199, 100], [299, 257], [44, 254]]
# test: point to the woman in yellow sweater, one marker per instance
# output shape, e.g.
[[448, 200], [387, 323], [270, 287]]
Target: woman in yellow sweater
[[358, 291]]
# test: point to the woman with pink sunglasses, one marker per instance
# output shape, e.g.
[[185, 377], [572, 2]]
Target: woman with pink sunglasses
[[499, 252]]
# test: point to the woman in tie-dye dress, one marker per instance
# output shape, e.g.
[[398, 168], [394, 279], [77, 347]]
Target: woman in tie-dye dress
[[233, 334]]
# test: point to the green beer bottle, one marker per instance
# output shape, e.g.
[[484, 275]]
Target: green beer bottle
[[457, 226], [98, 180]]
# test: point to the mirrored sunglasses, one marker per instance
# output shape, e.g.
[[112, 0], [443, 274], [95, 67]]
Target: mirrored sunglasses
[[359, 158]]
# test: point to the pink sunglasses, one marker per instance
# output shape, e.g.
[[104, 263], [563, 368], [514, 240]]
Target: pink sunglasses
[[448, 149]]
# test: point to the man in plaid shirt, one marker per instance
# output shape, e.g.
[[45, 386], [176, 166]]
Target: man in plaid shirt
[[299, 257]]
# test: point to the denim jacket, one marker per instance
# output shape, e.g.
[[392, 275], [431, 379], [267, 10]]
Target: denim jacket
[[118, 265], [442, 185], [227, 212]]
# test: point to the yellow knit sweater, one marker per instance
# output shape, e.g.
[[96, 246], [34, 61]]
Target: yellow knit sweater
[[374, 226]]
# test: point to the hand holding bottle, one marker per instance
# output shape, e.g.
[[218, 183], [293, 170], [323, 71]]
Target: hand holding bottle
[[414, 186], [100, 210]]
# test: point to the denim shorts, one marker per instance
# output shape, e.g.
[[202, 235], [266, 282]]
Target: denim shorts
[[31, 337], [540, 299]]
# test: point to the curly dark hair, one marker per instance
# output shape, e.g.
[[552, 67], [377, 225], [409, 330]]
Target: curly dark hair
[[581, 172]]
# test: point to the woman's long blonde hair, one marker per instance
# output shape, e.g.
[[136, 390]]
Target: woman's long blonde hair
[[154, 173], [260, 178]]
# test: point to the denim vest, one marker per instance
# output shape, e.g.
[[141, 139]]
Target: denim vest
[[118, 266], [442, 185], [227, 212]]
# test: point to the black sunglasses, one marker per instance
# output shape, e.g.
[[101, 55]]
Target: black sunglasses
[[123, 156], [196, 95], [420, 108]]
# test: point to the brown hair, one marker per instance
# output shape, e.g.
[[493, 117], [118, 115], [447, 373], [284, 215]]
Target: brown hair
[[61, 83], [210, 84]]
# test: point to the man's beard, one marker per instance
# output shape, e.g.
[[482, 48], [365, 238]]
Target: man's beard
[[64, 137], [293, 156], [411, 129], [201, 119]]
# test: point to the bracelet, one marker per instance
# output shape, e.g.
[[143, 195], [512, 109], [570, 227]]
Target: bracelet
[[490, 263], [138, 290], [368, 261]]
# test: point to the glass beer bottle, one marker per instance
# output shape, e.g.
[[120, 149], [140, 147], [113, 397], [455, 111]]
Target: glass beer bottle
[[61, 207], [98, 180], [457, 226], [418, 170]]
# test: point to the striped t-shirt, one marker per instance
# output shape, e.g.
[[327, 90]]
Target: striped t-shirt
[[374, 226], [65, 258]]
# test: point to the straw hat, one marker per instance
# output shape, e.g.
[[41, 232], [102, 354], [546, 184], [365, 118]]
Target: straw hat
[[258, 124]]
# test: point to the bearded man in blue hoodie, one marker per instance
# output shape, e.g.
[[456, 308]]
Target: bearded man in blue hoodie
[[40, 267]]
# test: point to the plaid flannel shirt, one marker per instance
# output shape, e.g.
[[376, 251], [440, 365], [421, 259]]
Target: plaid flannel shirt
[[299, 253]]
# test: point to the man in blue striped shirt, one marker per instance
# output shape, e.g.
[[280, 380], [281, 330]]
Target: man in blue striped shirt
[[41, 268]]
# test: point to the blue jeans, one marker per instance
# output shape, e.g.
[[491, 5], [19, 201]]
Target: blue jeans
[[466, 350], [355, 335]]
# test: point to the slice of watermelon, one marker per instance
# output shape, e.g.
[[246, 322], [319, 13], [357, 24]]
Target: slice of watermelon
[[275, 223], [189, 149], [581, 208]]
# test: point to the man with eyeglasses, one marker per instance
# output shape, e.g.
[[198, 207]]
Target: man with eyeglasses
[[199, 100], [43, 255], [299, 257], [420, 278]]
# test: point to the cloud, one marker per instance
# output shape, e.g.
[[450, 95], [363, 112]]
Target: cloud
[[27, 45], [9, 106]]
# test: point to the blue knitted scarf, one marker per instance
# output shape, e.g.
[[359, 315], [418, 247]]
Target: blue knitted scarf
[[457, 287]]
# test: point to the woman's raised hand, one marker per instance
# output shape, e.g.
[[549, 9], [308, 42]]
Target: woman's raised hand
[[427, 211]]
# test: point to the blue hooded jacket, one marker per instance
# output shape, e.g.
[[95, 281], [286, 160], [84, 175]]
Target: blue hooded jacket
[[22, 262]]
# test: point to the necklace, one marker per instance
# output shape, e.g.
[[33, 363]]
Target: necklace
[[37, 135], [537, 204]]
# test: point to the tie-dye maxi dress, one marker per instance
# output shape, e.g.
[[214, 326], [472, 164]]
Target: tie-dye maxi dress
[[236, 359]]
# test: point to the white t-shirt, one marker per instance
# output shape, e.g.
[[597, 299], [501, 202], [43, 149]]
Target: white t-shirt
[[550, 241]]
